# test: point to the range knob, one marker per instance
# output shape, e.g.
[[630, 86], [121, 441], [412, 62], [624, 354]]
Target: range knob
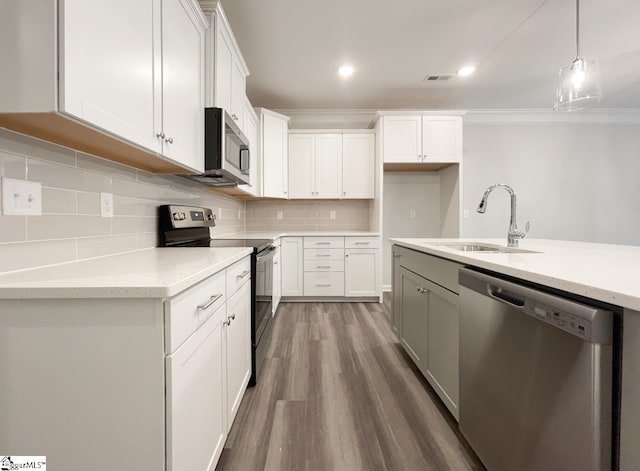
[[176, 216], [183, 216]]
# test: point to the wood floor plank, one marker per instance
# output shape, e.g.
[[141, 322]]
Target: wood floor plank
[[338, 393]]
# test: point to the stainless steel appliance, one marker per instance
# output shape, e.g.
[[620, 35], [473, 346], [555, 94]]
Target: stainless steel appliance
[[535, 377], [187, 226], [226, 151]]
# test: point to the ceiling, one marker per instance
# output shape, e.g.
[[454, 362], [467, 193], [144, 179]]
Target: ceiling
[[293, 49]]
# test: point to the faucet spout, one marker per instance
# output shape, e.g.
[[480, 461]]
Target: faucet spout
[[514, 234]]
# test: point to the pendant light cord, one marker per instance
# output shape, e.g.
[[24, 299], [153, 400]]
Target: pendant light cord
[[578, 29]]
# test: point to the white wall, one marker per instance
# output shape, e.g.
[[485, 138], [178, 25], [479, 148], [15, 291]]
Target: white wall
[[404, 192], [574, 181]]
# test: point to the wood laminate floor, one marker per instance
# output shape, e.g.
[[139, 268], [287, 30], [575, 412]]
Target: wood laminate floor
[[337, 392]]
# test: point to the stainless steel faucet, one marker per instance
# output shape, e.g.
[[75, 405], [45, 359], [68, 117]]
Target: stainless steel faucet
[[514, 234]]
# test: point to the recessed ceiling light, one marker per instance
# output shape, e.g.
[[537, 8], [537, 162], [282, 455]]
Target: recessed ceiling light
[[466, 70], [346, 71]]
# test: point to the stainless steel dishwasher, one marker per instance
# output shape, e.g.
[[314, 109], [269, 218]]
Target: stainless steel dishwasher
[[535, 377]]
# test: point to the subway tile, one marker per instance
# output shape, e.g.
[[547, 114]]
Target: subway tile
[[33, 254], [12, 166], [56, 201], [141, 190], [134, 225], [100, 246], [106, 167], [16, 143], [13, 228], [59, 176], [89, 203], [146, 240], [123, 206], [61, 226]]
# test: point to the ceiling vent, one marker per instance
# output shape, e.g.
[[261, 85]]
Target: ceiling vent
[[437, 78]]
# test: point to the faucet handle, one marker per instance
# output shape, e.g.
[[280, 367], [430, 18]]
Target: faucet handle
[[526, 228]]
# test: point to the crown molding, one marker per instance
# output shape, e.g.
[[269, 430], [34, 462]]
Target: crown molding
[[331, 119], [542, 116]]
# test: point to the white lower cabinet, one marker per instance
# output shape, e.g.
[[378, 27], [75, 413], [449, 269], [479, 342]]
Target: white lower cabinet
[[238, 349], [324, 283], [292, 266], [360, 272], [277, 279], [196, 412]]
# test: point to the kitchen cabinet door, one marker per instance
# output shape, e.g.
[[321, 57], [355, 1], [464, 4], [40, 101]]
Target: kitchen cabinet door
[[402, 139], [292, 261], [358, 166], [274, 156], [302, 158], [107, 76], [238, 349], [396, 306], [277, 279], [182, 84], [196, 411], [442, 356], [328, 166], [238, 93], [415, 316], [360, 272], [442, 139], [223, 69]]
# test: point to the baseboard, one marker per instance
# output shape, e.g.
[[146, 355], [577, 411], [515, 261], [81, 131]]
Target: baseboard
[[328, 299]]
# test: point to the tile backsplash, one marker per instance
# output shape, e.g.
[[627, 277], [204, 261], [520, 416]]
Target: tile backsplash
[[308, 215], [70, 227]]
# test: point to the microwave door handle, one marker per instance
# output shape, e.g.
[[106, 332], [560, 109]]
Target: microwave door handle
[[245, 157]]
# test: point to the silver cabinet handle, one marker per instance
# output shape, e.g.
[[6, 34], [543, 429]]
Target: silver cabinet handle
[[323, 255], [212, 300], [344, 193], [169, 140], [275, 263], [323, 243], [421, 290], [323, 285], [243, 274], [419, 156], [160, 135], [232, 316], [323, 266], [396, 255], [363, 243]]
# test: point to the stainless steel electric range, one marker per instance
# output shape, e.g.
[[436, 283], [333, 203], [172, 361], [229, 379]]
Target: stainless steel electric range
[[188, 226]]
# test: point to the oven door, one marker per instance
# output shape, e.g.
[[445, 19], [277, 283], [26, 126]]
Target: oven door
[[264, 291]]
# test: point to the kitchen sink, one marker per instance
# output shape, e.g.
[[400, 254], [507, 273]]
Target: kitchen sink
[[471, 247]]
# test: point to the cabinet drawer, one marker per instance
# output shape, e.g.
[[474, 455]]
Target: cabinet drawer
[[323, 265], [323, 283], [237, 275], [324, 242], [438, 270], [324, 254], [362, 242], [191, 308]]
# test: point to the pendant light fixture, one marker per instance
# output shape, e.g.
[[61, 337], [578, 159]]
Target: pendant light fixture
[[579, 84]]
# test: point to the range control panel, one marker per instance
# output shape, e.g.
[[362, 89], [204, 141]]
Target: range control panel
[[191, 216]]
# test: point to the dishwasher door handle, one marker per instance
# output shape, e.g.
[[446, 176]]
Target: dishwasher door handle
[[506, 297]]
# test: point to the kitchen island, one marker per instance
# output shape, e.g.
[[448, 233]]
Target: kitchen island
[[601, 272]]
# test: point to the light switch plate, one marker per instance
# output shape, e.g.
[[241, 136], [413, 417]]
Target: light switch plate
[[412, 214], [279, 215], [21, 197], [332, 214], [465, 214], [106, 205]]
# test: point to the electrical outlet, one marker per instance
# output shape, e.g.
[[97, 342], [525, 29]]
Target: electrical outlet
[[279, 214], [21, 197], [239, 214], [106, 205], [332, 214], [412, 214], [219, 214], [465, 214]]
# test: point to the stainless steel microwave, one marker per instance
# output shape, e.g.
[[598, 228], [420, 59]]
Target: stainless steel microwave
[[226, 151]]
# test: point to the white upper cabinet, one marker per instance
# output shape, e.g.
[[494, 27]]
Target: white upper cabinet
[[131, 73], [226, 69], [273, 150], [182, 83], [358, 166], [108, 79], [422, 139], [251, 131], [315, 166]]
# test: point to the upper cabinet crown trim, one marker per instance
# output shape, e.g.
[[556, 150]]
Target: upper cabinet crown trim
[[214, 6], [422, 112], [197, 14], [271, 113], [332, 131]]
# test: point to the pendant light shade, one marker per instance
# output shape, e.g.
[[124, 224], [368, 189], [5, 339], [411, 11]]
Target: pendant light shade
[[579, 83]]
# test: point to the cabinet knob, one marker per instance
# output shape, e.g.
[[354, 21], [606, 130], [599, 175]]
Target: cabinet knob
[[169, 140], [160, 135], [421, 290], [232, 316], [227, 322], [346, 255]]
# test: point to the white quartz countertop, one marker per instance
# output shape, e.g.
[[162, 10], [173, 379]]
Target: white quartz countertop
[[152, 273], [609, 273], [276, 235]]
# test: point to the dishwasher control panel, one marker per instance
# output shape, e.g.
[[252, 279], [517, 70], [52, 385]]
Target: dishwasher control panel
[[563, 320]]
